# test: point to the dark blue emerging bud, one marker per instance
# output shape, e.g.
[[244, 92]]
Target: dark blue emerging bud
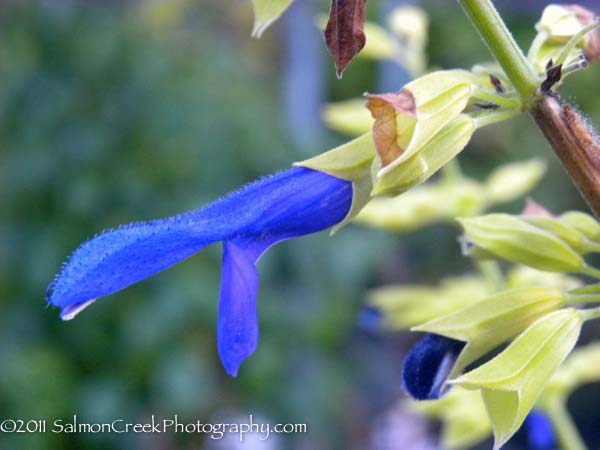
[[289, 204], [428, 365], [540, 432]]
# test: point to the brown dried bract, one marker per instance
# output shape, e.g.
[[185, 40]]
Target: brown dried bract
[[344, 34], [384, 108]]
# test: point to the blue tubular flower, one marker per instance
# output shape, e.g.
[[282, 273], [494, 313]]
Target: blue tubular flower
[[428, 365], [289, 204], [540, 432]]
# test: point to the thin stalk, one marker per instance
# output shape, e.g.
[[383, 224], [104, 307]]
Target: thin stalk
[[570, 45], [578, 299], [490, 270], [590, 271], [501, 43], [485, 119], [505, 101], [566, 430], [590, 314]]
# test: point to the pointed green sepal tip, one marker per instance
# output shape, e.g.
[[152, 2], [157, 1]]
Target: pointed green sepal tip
[[512, 382], [266, 12], [488, 323], [515, 240]]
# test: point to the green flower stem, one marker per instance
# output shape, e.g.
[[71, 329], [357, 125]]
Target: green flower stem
[[485, 119], [591, 247], [577, 299], [590, 271], [586, 290], [494, 33], [590, 314], [490, 270], [570, 45], [566, 431], [506, 101]]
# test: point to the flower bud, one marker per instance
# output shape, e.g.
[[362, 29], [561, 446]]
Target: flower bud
[[582, 222], [575, 239], [515, 240], [349, 117], [512, 381], [560, 22], [490, 322], [405, 306], [512, 181], [422, 206]]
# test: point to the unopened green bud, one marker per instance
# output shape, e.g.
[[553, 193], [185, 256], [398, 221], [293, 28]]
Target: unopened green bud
[[350, 117], [516, 240], [580, 368], [575, 239], [523, 276], [559, 22], [512, 181], [512, 382], [423, 205], [488, 323], [446, 144], [380, 43], [410, 24], [407, 120], [405, 306], [582, 222]]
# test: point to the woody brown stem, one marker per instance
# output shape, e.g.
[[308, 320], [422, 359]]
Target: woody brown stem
[[575, 142]]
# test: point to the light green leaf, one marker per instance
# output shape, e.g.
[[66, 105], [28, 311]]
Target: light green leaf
[[512, 382], [266, 12]]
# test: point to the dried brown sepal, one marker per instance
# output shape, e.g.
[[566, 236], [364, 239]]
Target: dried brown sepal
[[575, 142], [384, 109], [585, 18], [344, 33]]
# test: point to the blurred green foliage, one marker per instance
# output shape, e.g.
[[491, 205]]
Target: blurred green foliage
[[112, 113]]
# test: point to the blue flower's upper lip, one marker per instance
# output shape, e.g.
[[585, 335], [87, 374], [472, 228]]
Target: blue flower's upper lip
[[293, 203]]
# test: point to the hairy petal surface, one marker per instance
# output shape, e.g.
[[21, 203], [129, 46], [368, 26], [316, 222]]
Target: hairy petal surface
[[291, 203]]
